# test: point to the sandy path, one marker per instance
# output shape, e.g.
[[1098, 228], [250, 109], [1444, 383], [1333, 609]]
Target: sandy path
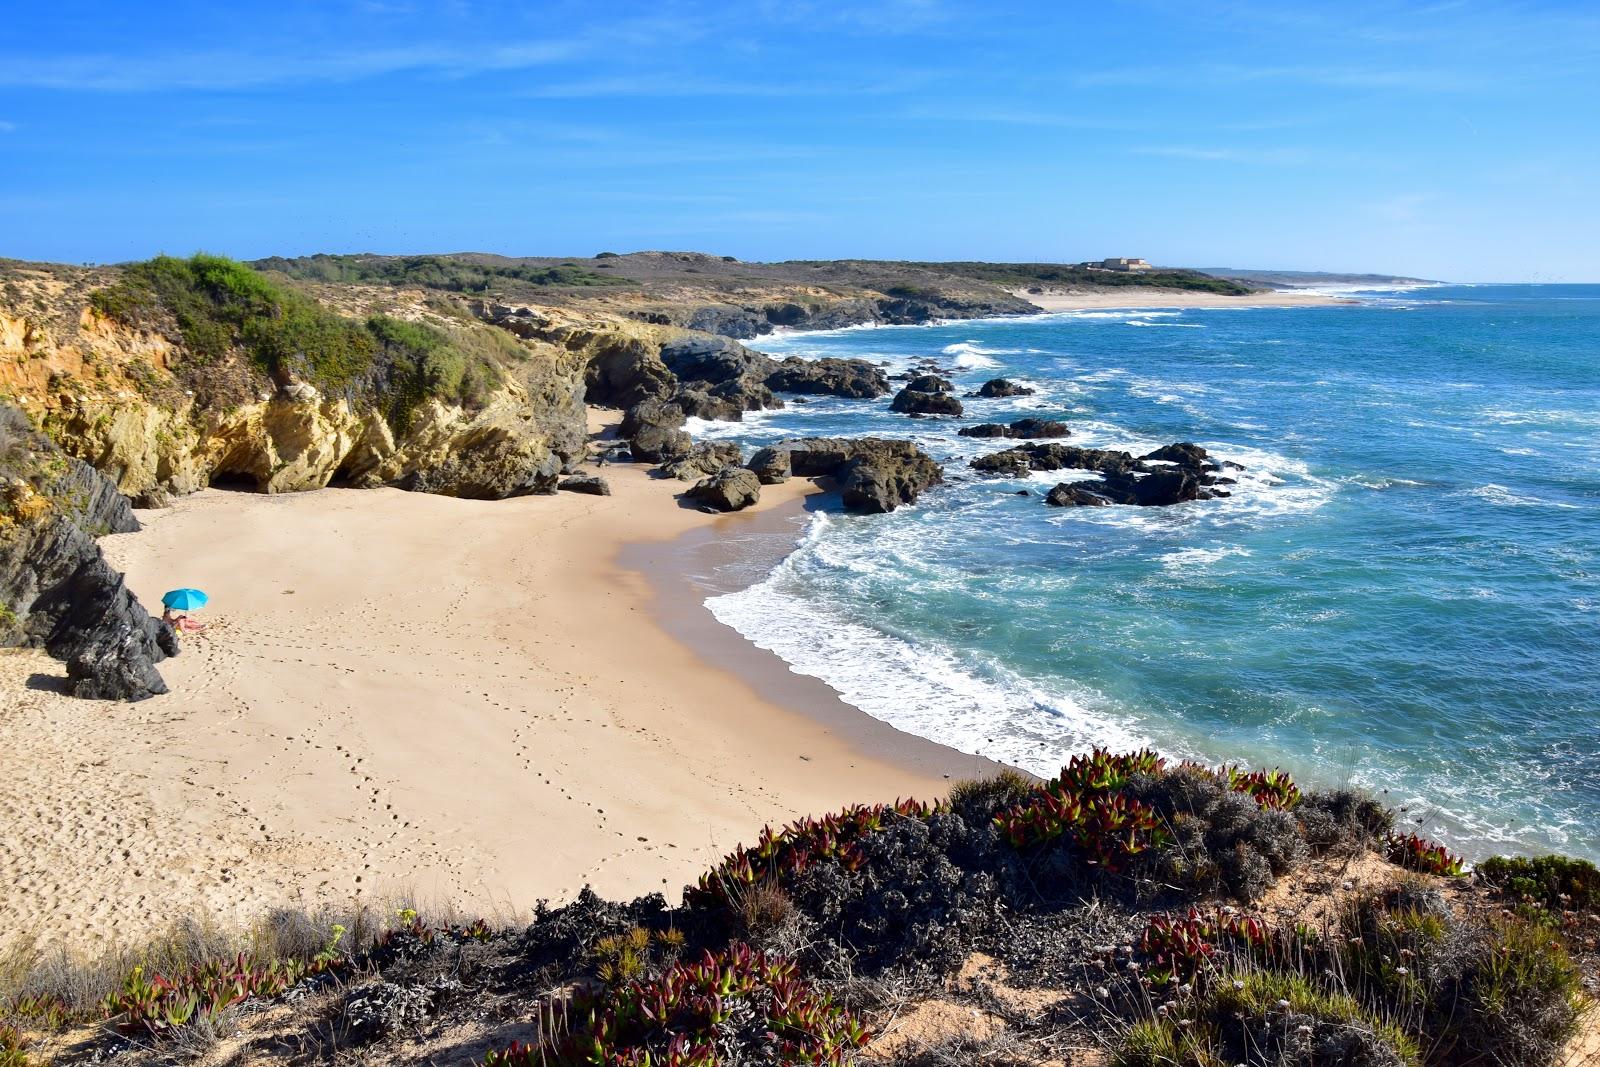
[[1151, 297], [403, 693]]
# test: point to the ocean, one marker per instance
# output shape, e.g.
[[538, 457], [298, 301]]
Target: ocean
[[1403, 592]]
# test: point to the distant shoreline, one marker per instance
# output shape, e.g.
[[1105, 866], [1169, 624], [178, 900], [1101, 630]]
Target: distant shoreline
[[1054, 300]]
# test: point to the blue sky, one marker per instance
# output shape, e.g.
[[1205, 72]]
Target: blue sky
[[1454, 139]]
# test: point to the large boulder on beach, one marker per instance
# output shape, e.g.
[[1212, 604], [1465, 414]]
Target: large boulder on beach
[[874, 474], [853, 378], [654, 431], [589, 484], [703, 459], [1001, 387], [771, 465], [730, 489]]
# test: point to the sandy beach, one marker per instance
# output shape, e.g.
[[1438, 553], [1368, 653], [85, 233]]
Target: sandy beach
[[1150, 297], [458, 701]]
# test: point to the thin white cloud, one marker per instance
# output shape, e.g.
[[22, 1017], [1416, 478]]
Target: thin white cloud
[[7, 127], [223, 70]]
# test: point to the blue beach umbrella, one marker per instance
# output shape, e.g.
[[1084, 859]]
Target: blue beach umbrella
[[184, 599]]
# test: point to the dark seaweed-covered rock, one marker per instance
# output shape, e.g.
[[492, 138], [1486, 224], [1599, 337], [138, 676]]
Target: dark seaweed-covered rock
[[771, 465], [730, 489], [875, 475], [998, 387]]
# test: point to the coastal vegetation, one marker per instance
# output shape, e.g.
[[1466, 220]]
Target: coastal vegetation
[[1020, 275], [219, 307], [1119, 905], [454, 274]]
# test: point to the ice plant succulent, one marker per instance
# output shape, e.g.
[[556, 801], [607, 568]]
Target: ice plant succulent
[[158, 1004], [1420, 854], [737, 1005], [786, 852], [1086, 804]]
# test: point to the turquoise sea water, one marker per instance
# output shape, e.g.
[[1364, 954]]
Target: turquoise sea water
[[1404, 591]]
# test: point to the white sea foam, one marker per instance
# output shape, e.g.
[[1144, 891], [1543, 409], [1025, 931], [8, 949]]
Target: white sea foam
[[969, 355], [1168, 325], [1191, 559], [957, 700], [1502, 496]]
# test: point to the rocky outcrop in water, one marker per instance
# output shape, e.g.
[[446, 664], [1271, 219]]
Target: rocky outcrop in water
[[1035, 429], [1018, 462], [1001, 387], [1172, 474], [853, 378], [730, 489], [874, 475], [926, 394], [56, 590]]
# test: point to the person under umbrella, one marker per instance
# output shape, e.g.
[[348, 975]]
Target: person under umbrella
[[181, 600]]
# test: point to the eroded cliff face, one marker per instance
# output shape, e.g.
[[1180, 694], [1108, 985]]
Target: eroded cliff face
[[124, 400]]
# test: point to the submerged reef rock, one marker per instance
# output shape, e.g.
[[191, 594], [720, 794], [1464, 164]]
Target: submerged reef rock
[[56, 589]]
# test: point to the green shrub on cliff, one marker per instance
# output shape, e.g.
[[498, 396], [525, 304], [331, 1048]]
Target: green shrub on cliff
[[422, 362], [433, 272], [218, 305]]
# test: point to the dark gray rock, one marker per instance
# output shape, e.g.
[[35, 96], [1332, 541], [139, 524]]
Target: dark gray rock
[[1017, 462], [56, 589], [929, 383], [1173, 474], [909, 401], [653, 429], [874, 474], [771, 465], [702, 460], [853, 378], [589, 484], [730, 489], [626, 373], [998, 387], [152, 499], [1020, 428]]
